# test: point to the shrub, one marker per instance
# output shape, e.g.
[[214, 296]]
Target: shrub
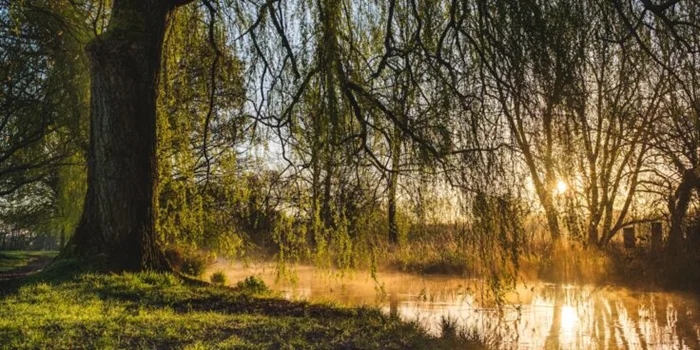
[[218, 278], [189, 261], [252, 284]]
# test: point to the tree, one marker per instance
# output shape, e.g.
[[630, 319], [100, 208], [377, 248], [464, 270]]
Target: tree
[[201, 132], [35, 96], [668, 34], [43, 98], [531, 51], [119, 217], [608, 123]]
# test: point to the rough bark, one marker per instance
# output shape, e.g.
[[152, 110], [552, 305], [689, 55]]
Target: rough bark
[[118, 221]]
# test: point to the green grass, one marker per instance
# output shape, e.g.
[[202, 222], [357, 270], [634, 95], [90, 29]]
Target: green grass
[[53, 309], [12, 260]]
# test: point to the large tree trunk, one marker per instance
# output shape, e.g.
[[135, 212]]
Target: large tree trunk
[[118, 222]]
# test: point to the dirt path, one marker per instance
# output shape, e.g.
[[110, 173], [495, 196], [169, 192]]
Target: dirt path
[[36, 265]]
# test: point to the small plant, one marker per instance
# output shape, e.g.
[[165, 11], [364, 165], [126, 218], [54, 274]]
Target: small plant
[[449, 327], [218, 278], [195, 263], [461, 335], [476, 339], [253, 284], [159, 279], [189, 261]]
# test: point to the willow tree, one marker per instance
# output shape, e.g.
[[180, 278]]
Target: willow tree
[[37, 100], [668, 33], [43, 94], [201, 190], [288, 56], [119, 215], [608, 124], [530, 50]]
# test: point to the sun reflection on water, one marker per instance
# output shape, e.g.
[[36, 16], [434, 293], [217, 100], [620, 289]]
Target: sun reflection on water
[[569, 319], [543, 316]]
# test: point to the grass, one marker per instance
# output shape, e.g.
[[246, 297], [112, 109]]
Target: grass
[[61, 309], [13, 260], [450, 329]]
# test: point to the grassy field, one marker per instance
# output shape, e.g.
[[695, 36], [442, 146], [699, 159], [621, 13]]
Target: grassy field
[[58, 308]]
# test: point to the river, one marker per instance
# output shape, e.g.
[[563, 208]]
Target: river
[[534, 316]]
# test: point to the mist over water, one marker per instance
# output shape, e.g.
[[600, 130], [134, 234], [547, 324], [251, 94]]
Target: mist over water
[[535, 316]]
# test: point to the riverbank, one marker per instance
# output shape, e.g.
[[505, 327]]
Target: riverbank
[[535, 315], [58, 308], [566, 263]]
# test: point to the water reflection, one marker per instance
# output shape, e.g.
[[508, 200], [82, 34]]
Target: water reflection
[[540, 316]]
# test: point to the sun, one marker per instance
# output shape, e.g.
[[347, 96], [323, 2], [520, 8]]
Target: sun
[[562, 186]]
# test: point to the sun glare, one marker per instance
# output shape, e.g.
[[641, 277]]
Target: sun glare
[[569, 318], [562, 186]]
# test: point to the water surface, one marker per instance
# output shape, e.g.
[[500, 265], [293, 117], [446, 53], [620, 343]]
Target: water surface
[[535, 316]]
